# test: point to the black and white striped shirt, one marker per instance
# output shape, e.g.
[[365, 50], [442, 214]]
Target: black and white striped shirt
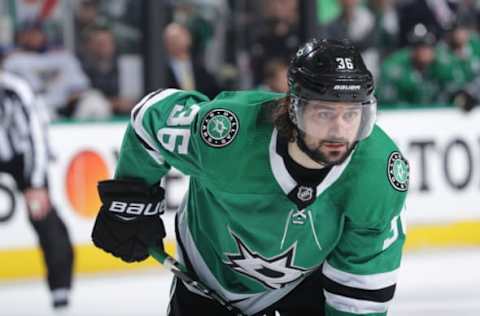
[[23, 134]]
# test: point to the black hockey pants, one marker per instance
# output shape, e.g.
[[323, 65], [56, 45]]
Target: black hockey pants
[[306, 299]]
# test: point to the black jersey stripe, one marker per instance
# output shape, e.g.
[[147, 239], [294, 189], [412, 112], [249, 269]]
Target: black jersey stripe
[[378, 295], [137, 109], [135, 112], [144, 143]]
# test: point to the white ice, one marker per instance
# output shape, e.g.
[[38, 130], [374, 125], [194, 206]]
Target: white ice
[[435, 283]]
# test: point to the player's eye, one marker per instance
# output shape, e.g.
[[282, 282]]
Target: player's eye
[[325, 115], [351, 115]]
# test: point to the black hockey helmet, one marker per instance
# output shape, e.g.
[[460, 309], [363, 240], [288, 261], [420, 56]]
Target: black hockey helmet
[[330, 70], [334, 71]]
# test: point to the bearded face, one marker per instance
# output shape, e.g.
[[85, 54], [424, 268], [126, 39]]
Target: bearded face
[[329, 130]]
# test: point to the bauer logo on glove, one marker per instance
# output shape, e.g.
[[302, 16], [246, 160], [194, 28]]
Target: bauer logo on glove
[[137, 209]]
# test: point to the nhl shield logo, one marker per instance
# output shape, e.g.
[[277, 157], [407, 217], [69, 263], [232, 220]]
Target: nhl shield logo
[[219, 127], [398, 171], [305, 194]]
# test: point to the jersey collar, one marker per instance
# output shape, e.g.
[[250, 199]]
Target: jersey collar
[[285, 179]]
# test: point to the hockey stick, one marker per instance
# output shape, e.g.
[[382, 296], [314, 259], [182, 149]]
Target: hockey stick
[[180, 271]]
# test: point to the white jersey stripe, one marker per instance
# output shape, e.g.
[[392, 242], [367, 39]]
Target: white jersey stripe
[[279, 170], [333, 175], [137, 121], [354, 306], [364, 282]]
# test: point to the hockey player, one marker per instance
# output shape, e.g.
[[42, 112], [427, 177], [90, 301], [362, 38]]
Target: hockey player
[[294, 200], [24, 155]]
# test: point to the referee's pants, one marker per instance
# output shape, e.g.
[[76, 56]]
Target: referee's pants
[[56, 248]]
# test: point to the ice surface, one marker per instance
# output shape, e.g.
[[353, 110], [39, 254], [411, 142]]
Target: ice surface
[[436, 283]]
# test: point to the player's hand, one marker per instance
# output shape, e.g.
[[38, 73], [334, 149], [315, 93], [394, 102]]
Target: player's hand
[[38, 203], [129, 219], [464, 100]]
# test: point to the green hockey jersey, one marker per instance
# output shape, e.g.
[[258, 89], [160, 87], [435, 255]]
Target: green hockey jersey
[[454, 72], [241, 233]]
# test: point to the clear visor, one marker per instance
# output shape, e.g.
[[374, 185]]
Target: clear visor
[[335, 121]]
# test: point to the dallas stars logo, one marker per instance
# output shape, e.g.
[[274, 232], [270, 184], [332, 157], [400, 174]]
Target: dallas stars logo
[[274, 272], [398, 171], [219, 127]]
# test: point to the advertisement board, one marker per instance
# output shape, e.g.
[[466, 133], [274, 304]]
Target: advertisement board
[[443, 209]]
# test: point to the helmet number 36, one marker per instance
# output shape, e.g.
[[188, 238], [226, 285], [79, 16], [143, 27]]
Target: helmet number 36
[[344, 63]]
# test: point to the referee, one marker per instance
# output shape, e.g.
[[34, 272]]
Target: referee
[[24, 154]]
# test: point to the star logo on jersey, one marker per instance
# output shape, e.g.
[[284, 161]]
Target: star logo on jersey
[[219, 127], [398, 171], [274, 272]]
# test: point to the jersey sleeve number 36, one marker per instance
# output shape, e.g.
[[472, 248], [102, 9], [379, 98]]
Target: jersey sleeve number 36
[[176, 135]]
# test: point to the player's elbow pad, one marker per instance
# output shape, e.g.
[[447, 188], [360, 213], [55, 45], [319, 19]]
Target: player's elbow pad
[[129, 219]]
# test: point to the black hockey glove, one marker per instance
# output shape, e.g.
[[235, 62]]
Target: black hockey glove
[[129, 219]]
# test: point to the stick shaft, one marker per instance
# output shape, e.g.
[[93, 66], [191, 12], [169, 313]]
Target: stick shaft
[[182, 273]]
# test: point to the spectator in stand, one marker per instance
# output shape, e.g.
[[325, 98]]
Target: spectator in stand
[[201, 30], [185, 72], [355, 23], [386, 29], [86, 15], [100, 62], [458, 58], [275, 76], [436, 15], [468, 11], [55, 74], [408, 76], [276, 35]]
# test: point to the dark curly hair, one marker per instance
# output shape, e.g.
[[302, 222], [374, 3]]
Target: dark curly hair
[[278, 110]]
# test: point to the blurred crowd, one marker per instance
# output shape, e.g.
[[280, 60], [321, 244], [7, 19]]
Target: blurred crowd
[[423, 53]]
